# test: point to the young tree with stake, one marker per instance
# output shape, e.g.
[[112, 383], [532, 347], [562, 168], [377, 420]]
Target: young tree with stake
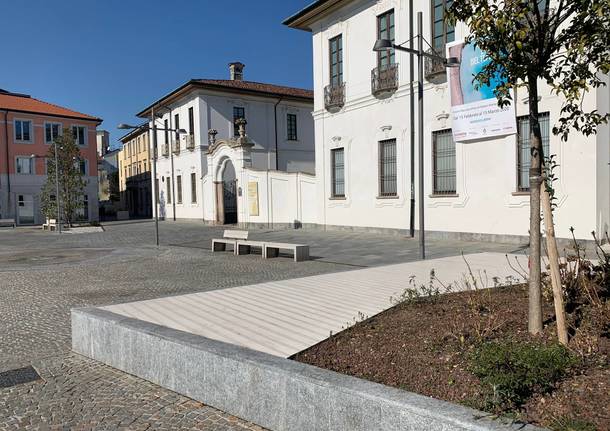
[[561, 42]]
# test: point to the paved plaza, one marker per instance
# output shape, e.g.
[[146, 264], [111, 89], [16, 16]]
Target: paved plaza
[[44, 275]]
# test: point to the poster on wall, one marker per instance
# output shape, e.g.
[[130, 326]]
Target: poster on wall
[[474, 111], [253, 197]]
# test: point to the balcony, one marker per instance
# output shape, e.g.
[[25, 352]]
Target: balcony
[[190, 142], [384, 80], [176, 146], [165, 150], [334, 97], [434, 68]]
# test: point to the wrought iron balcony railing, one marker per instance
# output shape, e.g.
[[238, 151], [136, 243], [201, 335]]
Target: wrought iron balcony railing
[[384, 79], [176, 146], [434, 68], [334, 96], [165, 150], [190, 142]]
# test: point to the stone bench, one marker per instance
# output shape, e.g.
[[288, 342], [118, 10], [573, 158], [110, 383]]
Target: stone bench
[[229, 237], [50, 224], [8, 222], [272, 249], [245, 247]]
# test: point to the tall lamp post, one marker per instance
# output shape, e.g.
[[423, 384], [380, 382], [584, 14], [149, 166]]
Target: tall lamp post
[[154, 129], [385, 45]]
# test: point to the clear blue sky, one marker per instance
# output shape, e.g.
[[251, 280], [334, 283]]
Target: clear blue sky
[[111, 58]]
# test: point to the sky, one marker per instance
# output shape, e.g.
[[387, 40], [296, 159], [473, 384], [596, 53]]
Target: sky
[[112, 58]]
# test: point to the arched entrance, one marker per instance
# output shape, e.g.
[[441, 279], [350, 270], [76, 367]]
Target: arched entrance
[[227, 194]]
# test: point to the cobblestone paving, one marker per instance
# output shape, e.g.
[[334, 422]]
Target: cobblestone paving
[[43, 275]]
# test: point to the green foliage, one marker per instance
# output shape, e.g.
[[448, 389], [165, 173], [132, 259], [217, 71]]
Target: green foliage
[[512, 371], [71, 181], [564, 42]]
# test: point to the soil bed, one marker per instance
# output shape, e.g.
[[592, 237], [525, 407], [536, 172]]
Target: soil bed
[[425, 346]]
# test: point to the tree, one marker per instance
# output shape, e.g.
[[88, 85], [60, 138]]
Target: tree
[[71, 181], [561, 42]]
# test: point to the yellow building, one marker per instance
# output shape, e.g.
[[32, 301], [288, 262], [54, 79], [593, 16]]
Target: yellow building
[[134, 174]]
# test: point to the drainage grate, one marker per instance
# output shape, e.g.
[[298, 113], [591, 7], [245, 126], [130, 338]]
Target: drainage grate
[[18, 377]]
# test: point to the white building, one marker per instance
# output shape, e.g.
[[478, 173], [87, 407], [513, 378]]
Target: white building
[[475, 189], [202, 175]]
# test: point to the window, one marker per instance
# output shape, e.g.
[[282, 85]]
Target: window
[[177, 122], [338, 173], [335, 50], [524, 155], [191, 122], [23, 130], [443, 163], [80, 135], [156, 190], [25, 165], [179, 189], [387, 168], [165, 132], [83, 165], [168, 190], [442, 33], [291, 120], [51, 132], [83, 211], [385, 30], [193, 188], [238, 113]]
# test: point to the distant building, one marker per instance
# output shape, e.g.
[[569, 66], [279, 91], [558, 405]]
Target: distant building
[[108, 179], [103, 142], [198, 174], [134, 174], [28, 127]]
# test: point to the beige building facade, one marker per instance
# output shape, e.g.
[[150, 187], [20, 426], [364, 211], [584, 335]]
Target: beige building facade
[[134, 174]]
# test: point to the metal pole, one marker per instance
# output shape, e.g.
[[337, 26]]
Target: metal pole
[[412, 120], [154, 174], [57, 199], [420, 97]]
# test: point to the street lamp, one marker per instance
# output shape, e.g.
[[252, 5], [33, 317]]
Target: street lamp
[[146, 127], [384, 45]]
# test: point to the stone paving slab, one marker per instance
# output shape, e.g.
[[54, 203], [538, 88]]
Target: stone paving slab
[[285, 317]]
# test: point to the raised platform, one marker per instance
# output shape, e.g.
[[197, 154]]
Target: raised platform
[[284, 317]]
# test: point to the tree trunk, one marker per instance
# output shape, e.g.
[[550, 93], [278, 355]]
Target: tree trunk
[[551, 245], [535, 177]]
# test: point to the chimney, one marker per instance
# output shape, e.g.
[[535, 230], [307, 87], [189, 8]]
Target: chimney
[[237, 71]]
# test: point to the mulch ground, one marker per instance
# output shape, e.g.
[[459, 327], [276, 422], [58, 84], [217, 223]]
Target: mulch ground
[[424, 347]]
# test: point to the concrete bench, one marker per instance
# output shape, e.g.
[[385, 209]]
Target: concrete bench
[[8, 222], [229, 237], [272, 249], [50, 224], [245, 247]]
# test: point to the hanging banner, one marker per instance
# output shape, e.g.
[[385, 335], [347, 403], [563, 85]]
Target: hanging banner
[[475, 112]]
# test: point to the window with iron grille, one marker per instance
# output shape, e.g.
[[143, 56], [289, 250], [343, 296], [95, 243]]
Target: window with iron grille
[[193, 188], [179, 189], [337, 173], [387, 168], [443, 163], [385, 30], [335, 49], [291, 120], [442, 32], [168, 190], [524, 154], [238, 113]]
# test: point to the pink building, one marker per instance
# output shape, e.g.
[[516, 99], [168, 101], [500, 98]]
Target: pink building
[[28, 127]]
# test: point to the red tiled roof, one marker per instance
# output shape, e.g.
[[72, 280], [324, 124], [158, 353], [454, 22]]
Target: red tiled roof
[[277, 90], [24, 103]]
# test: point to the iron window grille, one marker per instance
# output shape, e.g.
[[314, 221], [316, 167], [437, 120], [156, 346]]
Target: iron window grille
[[291, 120], [338, 173], [524, 154], [387, 168], [443, 163]]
